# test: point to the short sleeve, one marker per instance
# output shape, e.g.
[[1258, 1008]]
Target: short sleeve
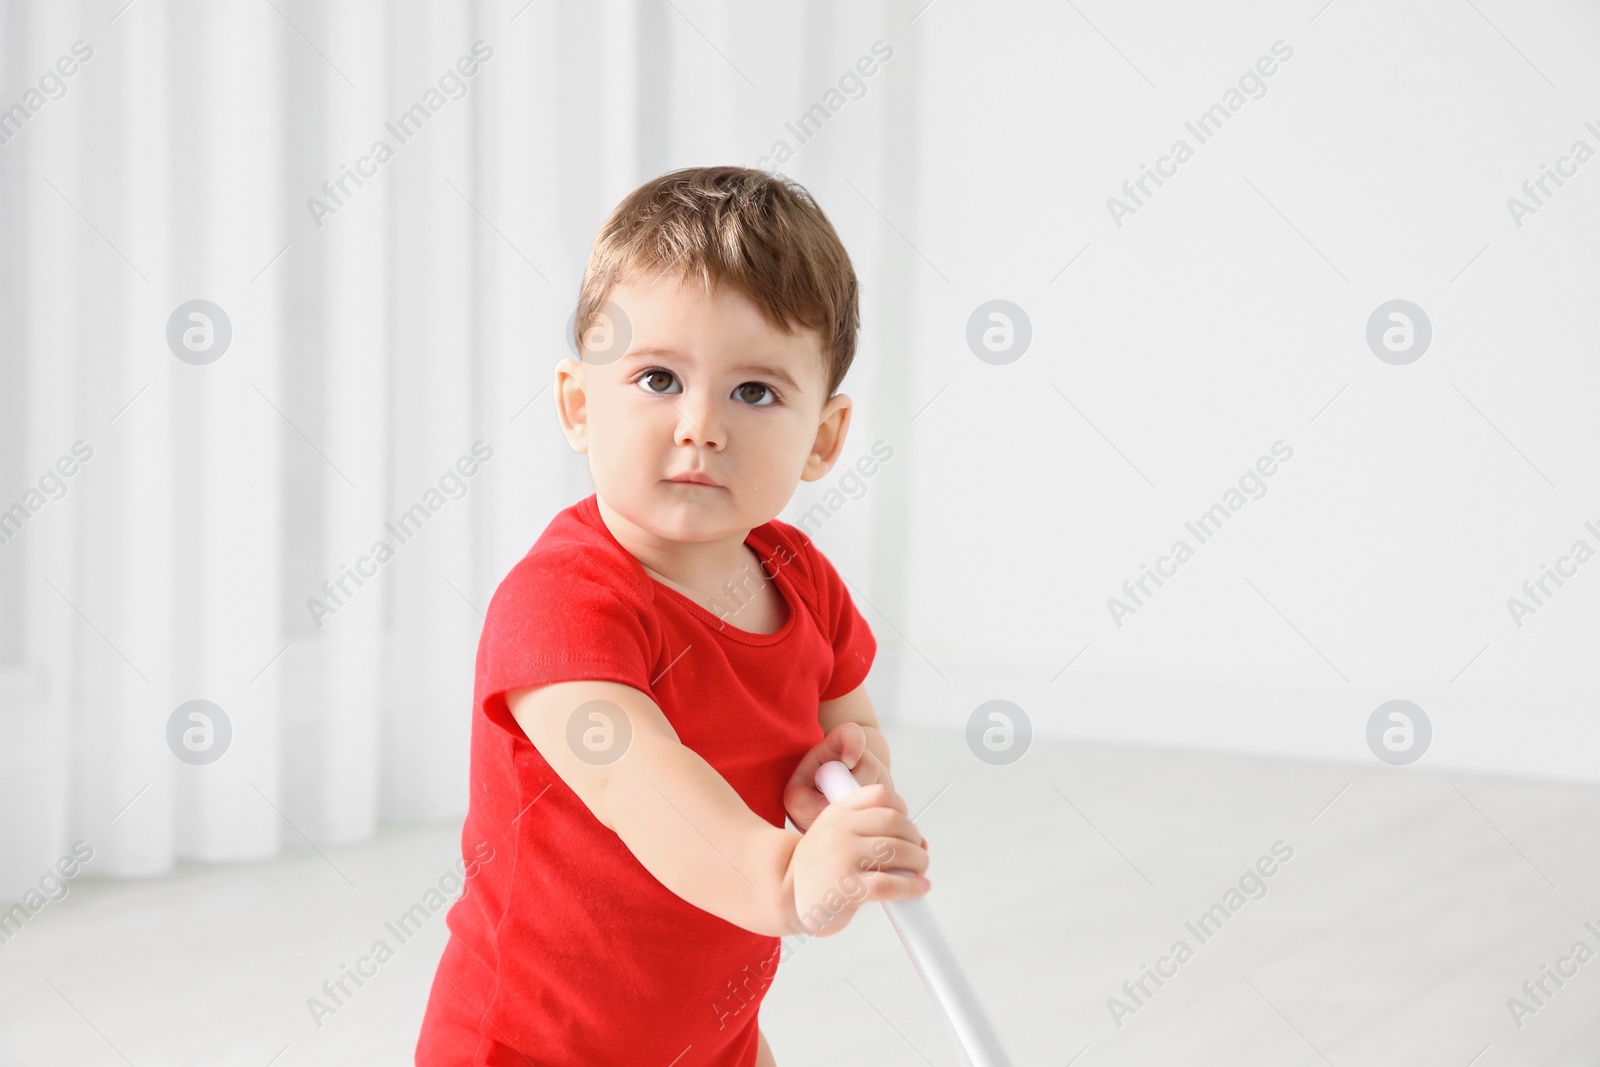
[[854, 646], [560, 617]]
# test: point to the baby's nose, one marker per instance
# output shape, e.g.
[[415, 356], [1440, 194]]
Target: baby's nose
[[698, 424]]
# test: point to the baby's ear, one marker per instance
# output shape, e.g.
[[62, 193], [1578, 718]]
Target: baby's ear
[[572, 403], [832, 427]]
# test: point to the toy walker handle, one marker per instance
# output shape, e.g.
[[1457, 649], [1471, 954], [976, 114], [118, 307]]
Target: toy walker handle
[[969, 1028]]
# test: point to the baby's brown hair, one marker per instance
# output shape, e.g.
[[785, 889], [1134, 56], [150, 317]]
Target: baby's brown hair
[[760, 233]]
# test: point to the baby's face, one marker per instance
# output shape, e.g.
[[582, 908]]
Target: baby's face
[[706, 386]]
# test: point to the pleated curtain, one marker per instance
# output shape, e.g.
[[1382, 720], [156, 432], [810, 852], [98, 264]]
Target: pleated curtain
[[386, 336]]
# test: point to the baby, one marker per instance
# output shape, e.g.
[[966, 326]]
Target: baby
[[660, 677]]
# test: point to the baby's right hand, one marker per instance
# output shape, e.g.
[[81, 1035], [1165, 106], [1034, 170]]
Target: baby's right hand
[[843, 860]]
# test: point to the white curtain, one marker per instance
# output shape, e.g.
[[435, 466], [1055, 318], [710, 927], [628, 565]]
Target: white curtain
[[384, 340]]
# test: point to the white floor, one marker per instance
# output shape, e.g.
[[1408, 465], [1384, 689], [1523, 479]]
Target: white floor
[[1413, 907]]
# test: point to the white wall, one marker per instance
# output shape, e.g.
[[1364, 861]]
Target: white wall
[[1225, 315]]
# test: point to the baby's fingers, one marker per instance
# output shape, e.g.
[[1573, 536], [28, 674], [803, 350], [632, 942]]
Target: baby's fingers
[[838, 745], [886, 822], [897, 854], [846, 743], [877, 795], [881, 885], [870, 770]]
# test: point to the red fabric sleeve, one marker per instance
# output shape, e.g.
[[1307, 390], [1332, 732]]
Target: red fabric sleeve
[[853, 643], [561, 617]]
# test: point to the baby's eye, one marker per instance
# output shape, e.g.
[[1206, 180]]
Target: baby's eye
[[743, 393], [656, 377]]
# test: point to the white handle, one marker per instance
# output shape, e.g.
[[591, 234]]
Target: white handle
[[970, 1031]]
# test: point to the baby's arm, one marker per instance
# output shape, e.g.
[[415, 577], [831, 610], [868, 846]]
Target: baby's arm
[[689, 828], [676, 814]]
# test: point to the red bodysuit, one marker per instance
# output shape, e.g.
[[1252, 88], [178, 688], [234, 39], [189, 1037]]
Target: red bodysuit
[[564, 950]]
